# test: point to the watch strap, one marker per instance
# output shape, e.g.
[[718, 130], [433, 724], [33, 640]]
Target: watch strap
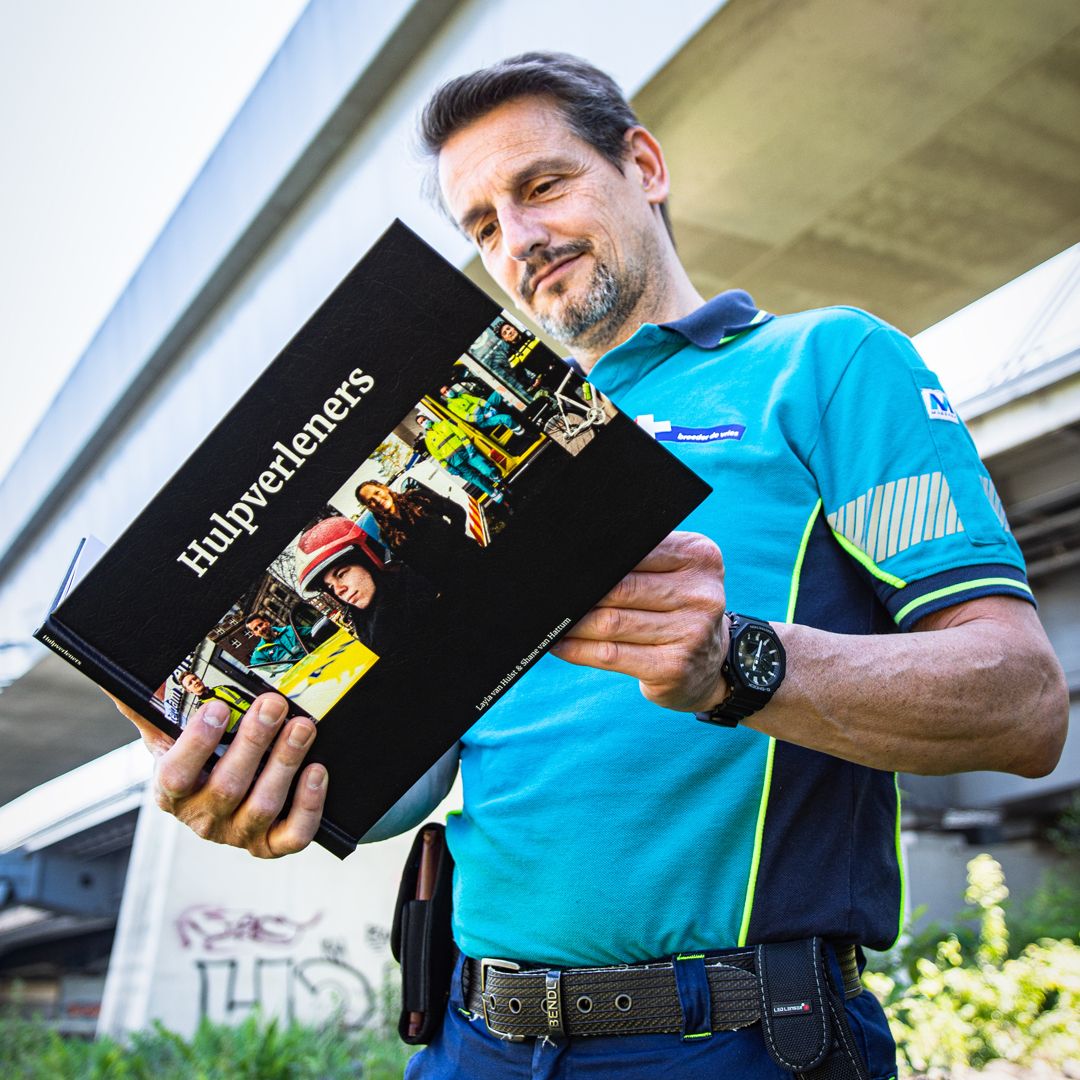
[[727, 714], [742, 701]]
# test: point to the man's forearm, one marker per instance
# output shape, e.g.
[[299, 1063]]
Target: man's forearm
[[982, 691]]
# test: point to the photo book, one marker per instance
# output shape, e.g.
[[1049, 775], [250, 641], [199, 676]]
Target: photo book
[[414, 501]]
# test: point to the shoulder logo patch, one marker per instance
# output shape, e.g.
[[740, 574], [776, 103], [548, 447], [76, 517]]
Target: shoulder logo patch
[[665, 431], [938, 407]]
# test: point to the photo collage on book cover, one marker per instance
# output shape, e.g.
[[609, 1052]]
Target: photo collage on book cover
[[356, 581]]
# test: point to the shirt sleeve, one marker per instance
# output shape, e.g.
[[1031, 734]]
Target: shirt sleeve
[[904, 491], [419, 801]]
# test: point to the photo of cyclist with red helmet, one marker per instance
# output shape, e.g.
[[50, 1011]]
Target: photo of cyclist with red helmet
[[385, 603]]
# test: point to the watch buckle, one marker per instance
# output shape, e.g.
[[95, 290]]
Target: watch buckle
[[711, 717]]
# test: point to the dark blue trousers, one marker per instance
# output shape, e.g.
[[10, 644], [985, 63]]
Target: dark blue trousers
[[466, 1050]]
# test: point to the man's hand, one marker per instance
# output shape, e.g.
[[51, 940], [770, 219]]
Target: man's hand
[[224, 805], [663, 624]]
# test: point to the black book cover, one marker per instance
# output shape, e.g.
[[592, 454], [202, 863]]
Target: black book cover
[[414, 501]]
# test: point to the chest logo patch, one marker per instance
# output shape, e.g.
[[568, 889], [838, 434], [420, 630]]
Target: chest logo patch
[[665, 431], [938, 407]]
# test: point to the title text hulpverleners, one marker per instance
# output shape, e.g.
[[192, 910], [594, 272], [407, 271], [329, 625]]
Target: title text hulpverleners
[[200, 555]]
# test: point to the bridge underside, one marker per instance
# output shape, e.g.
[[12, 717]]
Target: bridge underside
[[906, 157]]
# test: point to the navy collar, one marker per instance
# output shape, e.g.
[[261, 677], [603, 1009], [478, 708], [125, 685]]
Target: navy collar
[[717, 320], [723, 316]]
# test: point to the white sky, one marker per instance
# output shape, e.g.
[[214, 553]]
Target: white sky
[[109, 111], [112, 107]]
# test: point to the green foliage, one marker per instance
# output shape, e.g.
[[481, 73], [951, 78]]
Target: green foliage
[[1065, 835], [1051, 911], [970, 1010], [253, 1050]]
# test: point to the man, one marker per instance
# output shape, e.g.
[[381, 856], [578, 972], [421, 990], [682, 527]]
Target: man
[[237, 701], [499, 359], [475, 410], [454, 451], [603, 826], [281, 645]]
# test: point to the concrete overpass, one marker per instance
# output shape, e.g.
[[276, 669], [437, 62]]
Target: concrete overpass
[[905, 156]]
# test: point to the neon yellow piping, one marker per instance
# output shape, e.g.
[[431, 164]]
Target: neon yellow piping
[[753, 322], [900, 863], [452, 813], [796, 573], [863, 559], [752, 882], [951, 590], [759, 831]]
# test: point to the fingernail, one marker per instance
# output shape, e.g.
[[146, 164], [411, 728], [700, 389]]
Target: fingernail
[[217, 712], [301, 735], [316, 778], [272, 711]]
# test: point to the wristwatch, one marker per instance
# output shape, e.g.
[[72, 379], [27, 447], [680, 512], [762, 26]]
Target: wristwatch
[[754, 670]]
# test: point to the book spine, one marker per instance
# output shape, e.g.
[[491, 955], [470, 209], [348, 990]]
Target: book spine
[[335, 839], [109, 676]]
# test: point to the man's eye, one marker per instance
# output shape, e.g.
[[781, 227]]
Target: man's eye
[[543, 188], [487, 232]]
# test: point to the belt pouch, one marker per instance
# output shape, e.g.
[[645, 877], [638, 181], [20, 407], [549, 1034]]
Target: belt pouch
[[794, 1009], [422, 942]]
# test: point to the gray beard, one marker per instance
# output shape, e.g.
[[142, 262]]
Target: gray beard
[[597, 318]]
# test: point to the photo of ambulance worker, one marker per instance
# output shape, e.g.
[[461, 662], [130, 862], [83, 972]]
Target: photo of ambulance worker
[[485, 414], [509, 339], [452, 448], [385, 605], [281, 645], [421, 527], [237, 700]]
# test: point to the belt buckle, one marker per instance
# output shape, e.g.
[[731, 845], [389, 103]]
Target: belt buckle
[[501, 965]]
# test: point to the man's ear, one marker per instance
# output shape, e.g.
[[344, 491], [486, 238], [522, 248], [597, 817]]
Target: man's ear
[[646, 157]]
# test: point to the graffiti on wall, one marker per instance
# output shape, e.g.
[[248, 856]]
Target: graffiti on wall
[[311, 988], [216, 928]]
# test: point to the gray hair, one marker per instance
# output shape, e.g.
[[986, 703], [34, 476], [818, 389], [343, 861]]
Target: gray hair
[[590, 101]]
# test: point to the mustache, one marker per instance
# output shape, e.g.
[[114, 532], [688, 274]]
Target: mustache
[[533, 266]]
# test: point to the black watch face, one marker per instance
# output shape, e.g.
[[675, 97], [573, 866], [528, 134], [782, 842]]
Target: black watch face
[[758, 657]]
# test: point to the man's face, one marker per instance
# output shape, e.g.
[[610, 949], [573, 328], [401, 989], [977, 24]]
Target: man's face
[[376, 495], [351, 584], [509, 333], [260, 628], [193, 685], [567, 235]]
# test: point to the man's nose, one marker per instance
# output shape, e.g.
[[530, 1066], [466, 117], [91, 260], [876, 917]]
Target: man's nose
[[523, 232]]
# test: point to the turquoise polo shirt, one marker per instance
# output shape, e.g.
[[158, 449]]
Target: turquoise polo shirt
[[847, 495]]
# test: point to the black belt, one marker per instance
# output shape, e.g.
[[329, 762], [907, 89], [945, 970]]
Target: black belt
[[628, 999]]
